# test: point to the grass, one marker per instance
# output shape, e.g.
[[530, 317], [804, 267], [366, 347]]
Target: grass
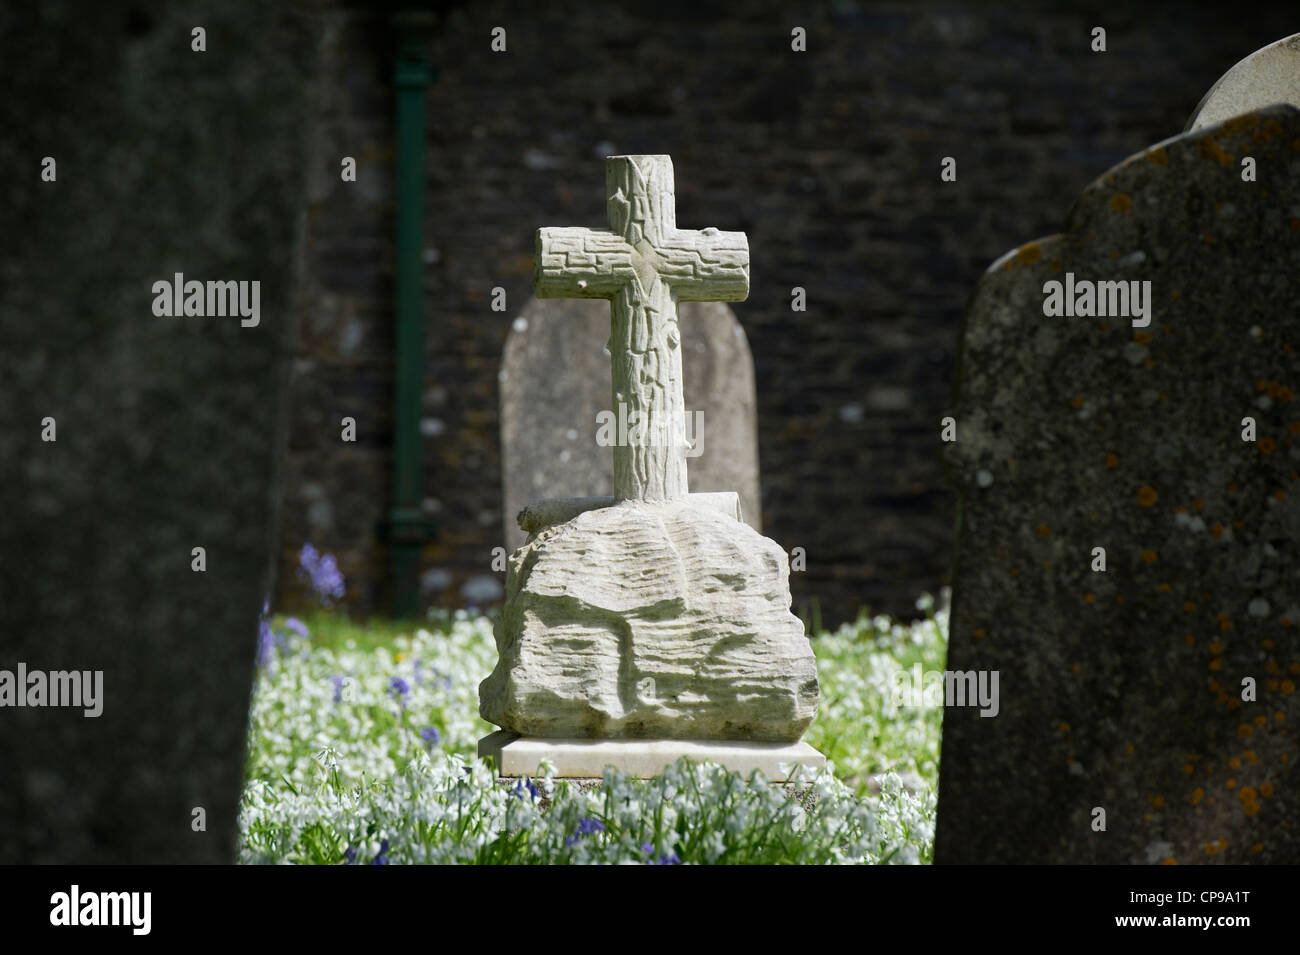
[[362, 740]]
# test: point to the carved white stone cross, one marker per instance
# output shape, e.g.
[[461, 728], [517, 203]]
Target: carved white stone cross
[[644, 265]]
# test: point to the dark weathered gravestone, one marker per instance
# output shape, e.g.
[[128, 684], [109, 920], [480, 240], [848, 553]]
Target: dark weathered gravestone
[[1147, 711], [129, 438], [555, 380]]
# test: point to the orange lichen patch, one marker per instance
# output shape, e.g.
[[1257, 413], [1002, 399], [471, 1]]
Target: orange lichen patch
[[1211, 849], [1171, 860], [1210, 149], [1245, 121], [1261, 720], [1112, 460], [1029, 253], [1279, 495], [980, 633], [1157, 802], [1189, 769], [1244, 730], [1063, 727], [1257, 847], [1214, 687], [1149, 363], [1234, 763], [1163, 588], [1261, 385], [1198, 505], [1146, 495], [1075, 667], [1279, 717], [1223, 843], [1250, 756], [1216, 648], [1246, 793], [1150, 556], [1047, 565], [1267, 643], [1128, 748], [1288, 687], [1250, 807], [1231, 784], [1271, 667], [1160, 156], [1142, 338], [1076, 402], [1120, 202], [1293, 668], [1197, 795], [1089, 597], [1189, 639], [1266, 790], [1272, 685], [1224, 622], [1189, 606], [1044, 530], [1234, 704], [1216, 664]]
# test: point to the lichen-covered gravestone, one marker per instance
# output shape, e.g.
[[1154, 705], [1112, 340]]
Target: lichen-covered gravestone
[[132, 435], [654, 624], [1128, 465], [549, 420]]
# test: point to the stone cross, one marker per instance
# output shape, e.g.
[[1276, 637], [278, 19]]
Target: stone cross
[[644, 265]]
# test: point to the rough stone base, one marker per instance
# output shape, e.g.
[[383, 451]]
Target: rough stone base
[[587, 758]]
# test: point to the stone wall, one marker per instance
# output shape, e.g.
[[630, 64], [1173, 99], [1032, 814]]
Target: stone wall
[[828, 159]]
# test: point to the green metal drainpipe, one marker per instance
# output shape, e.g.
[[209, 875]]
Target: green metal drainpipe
[[406, 528]]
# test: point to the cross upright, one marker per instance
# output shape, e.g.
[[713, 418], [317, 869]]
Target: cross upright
[[644, 265]]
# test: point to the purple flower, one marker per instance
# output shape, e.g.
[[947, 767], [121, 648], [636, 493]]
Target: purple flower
[[431, 736], [321, 571], [350, 855], [586, 826], [265, 643], [399, 688], [525, 785], [382, 857], [649, 850], [297, 626], [339, 682]]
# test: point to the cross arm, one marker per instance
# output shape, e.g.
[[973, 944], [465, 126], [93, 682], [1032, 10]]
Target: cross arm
[[706, 266], [575, 262]]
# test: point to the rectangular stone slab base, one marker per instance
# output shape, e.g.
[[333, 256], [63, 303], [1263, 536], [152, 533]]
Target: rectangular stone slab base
[[587, 758]]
